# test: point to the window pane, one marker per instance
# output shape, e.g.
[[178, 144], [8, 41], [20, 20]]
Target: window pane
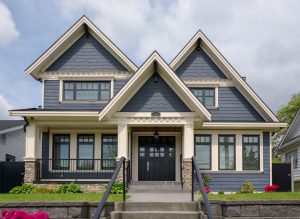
[[85, 153], [105, 86], [226, 153], [109, 151], [61, 151], [69, 95], [209, 101], [104, 95], [86, 95], [250, 159], [202, 151]]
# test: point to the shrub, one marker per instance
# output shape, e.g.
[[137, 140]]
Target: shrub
[[69, 188], [247, 187], [21, 214], [221, 193], [206, 180], [46, 189], [271, 188], [23, 189], [117, 188]]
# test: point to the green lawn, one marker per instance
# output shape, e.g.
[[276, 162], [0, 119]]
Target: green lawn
[[89, 197], [256, 196]]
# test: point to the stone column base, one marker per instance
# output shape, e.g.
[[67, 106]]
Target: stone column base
[[187, 173], [120, 174], [30, 174]]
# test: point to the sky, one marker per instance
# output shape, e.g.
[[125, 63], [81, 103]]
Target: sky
[[261, 39]]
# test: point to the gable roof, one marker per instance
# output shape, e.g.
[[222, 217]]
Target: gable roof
[[69, 38], [11, 125], [141, 76], [292, 136], [199, 39]]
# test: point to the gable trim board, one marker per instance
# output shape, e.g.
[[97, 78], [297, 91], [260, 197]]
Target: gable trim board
[[11, 129], [141, 76], [68, 39], [283, 145], [227, 69]]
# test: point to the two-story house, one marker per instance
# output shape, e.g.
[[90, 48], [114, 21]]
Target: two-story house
[[99, 106]]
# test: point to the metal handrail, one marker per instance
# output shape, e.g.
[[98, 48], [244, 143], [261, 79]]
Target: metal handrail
[[181, 169], [202, 188], [109, 187]]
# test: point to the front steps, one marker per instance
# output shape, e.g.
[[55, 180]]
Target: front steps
[[156, 187], [157, 210]]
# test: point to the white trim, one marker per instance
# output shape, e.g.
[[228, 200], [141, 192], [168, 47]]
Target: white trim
[[271, 146], [112, 87], [148, 114], [61, 85], [43, 93], [209, 82], [246, 125], [53, 113], [141, 76], [228, 70], [68, 38], [217, 96], [11, 129]]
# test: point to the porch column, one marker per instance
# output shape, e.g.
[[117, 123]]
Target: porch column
[[188, 152], [31, 143], [122, 140]]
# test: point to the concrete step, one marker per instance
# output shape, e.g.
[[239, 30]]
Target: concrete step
[[156, 187], [155, 183], [157, 206], [156, 215]]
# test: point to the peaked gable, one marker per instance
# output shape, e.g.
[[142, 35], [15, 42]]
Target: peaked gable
[[86, 54], [199, 64], [155, 97]]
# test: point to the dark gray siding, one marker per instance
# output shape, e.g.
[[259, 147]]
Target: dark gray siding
[[86, 54], [199, 65], [51, 97], [233, 181], [14, 145], [155, 97], [233, 107]]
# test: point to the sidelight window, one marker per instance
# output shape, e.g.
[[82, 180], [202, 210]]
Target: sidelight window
[[226, 152]]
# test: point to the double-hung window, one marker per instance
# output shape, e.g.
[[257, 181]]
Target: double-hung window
[[251, 152], [85, 152], [109, 151], [61, 151], [205, 95], [226, 152], [86, 90], [203, 151]]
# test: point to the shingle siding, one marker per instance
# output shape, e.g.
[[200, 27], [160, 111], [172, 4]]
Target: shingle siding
[[228, 182], [86, 54], [51, 97], [155, 97], [15, 145], [199, 65], [233, 107]]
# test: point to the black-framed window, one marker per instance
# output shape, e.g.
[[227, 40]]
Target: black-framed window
[[289, 155], [109, 151], [10, 158], [203, 151], [227, 152], [85, 151], [86, 90], [205, 95], [251, 152], [61, 151]]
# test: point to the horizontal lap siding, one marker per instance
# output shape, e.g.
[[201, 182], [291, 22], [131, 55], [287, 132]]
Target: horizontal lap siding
[[86, 54], [51, 97], [199, 65], [15, 145], [233, 107], [229, 182], [155, 97]]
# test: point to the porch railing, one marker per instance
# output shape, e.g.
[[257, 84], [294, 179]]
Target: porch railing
[[75, 169], [195, 170]]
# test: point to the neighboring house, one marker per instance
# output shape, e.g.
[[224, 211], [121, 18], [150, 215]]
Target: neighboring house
[[289, 149], [12, 140], [98, 106]]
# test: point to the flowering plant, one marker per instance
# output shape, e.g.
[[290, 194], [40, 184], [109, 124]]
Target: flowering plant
[[207, 190], [271, 188], [21, 214]]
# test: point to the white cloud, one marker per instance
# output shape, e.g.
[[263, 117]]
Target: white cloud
[[8, 31], [4, 107], [260, 38]]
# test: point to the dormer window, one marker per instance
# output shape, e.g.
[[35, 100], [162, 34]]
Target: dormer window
[[206, 95], [86, 90]]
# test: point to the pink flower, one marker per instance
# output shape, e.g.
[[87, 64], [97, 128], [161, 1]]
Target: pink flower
[[207, 190], [271, 188], [20, 214]]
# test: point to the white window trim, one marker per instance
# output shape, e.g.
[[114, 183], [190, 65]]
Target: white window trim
[[216, 87], [61, 89]]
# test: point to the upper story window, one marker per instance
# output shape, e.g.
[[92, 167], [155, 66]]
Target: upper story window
[[205, 95], [86, 90]]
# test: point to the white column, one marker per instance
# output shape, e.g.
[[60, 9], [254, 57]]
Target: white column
[[214, 152], [122, 140], [31, 142], [239, 153], [188, 140]]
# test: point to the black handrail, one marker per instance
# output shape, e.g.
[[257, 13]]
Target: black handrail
[[109, 187], [180, 161], [202, 188]]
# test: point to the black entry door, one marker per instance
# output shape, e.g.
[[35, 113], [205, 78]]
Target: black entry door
[[156, 158]]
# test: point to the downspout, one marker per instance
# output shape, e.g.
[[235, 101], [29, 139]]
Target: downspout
[[26, 124]]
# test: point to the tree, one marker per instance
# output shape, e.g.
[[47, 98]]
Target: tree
[[286, 114]]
